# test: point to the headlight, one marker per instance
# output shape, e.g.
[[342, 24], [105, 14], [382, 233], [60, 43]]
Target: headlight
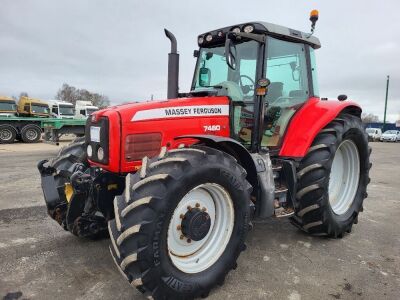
[[209, 38], [100, 153], [248, 28], [89, 151], [200, 40], [236, 30]]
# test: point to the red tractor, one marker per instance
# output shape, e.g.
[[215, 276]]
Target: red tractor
[[177, 182]]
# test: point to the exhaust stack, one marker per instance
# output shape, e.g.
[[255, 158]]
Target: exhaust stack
[[173, 67]]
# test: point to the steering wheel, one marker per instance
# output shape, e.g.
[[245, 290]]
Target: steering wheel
[[245, 87]]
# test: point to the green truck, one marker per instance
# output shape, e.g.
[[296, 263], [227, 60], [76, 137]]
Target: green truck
[[29, 130]]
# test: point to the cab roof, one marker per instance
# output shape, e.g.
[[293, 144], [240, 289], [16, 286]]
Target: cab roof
[[266, 28]]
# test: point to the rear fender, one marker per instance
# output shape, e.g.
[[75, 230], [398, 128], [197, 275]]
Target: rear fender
[[308, 122]]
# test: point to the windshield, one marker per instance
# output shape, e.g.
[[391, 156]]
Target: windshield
[[89, 111], [40, 109], [391, 132], [66, 110], [7, 106], [212, 72], [212, 69]]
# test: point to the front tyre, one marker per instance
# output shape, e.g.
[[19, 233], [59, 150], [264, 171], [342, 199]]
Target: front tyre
[[181, 223], [333, 178]]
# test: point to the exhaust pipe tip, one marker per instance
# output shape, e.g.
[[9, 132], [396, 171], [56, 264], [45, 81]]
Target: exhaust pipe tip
[[173, 67], [172, 38]]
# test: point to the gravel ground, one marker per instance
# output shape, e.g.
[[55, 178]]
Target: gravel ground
[[38, 260]]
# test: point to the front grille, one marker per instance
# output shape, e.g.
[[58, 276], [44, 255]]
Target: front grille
[[103, 124]]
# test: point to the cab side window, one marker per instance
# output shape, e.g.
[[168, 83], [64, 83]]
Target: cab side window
[[287, 70]]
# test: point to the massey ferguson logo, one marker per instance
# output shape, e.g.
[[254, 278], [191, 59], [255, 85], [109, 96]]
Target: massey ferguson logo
[[182, 111], [195, 111]]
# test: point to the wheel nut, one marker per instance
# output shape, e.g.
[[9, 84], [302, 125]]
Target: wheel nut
[[204, 209], [189, 240], [178, 227], [182, 237], [189, 207], [182, 216], [197, 204]]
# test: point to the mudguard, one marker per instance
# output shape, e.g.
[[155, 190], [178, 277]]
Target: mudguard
[[232, 147], [308, 122], [257, 165]]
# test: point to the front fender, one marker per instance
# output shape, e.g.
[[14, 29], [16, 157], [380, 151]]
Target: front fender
[[308, 122], [232, 147]]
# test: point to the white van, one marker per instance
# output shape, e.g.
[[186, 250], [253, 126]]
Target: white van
[[374, 134]]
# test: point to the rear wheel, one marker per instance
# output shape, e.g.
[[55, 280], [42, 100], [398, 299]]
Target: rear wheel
[[333, 179], [181, 223], [7, 134], [31, 134]]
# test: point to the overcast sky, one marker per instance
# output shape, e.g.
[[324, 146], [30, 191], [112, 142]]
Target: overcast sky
[[118, 48]]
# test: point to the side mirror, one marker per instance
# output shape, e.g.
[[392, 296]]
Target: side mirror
[[230, 53], [204, 77], [342, 97], [295, 71]]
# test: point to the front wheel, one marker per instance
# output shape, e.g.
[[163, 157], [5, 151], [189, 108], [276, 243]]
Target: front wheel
[[332, 179], [181, 223]]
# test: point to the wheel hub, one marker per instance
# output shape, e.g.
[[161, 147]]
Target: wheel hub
[[196, 224], [5, 134]]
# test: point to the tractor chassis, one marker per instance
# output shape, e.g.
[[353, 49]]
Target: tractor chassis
[[88, 208]]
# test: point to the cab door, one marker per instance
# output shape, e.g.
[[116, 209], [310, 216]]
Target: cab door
[[288, 67]]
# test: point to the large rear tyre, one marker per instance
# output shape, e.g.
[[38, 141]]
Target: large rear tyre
[[181, 223], [333, 179], [7, 134]]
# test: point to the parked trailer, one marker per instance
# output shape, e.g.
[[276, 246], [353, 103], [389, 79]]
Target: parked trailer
[[29, 130]]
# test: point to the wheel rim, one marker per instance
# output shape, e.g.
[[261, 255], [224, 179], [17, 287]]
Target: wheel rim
[[196, 256], [31, 134], [5, 134], [344, 177]]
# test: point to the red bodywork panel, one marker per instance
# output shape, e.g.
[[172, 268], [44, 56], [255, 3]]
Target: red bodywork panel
[[308, 122], [190, 116], [187, 119]]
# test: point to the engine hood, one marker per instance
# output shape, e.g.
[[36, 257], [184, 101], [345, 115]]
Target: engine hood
[[166, 109]]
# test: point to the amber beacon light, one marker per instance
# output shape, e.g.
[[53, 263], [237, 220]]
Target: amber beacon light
[[313, 18]]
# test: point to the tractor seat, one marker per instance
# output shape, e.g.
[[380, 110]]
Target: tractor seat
[[275, 90], [297, 94]]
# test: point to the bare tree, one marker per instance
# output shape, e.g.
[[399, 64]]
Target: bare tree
[[369, 118], [67, 93], [71, 94]]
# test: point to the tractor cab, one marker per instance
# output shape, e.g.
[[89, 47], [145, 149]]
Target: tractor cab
[[268, 72]]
